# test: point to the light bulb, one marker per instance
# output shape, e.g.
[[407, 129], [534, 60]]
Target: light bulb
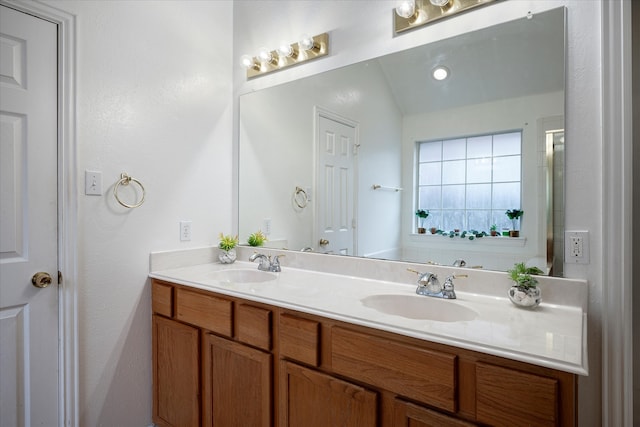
[[247, 61], [264, 55], [406, 8], [440, 72], [306, 42], [285, 50]]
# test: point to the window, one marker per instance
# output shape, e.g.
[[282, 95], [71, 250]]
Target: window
[[468, 183]]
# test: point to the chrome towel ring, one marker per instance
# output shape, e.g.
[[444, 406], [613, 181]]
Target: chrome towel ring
[[300, 198], [125, 180]]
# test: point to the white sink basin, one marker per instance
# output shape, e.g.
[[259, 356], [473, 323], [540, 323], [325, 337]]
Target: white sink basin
[[420, 307], [243, 275]]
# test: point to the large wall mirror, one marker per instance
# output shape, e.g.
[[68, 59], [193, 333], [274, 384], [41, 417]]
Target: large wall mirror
[[332, 163]]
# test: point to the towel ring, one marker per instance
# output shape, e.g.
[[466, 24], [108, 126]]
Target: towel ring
[[125, 180], [300, 198]]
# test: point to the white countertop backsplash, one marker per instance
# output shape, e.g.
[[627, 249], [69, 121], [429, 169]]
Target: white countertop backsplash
[[553, 335]]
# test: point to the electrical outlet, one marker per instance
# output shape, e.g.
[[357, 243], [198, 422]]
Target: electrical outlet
[[185, 231], [266, 226], [92, 183], [576, 247]]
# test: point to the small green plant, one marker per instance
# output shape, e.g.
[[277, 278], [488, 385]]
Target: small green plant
[[257, 239], [227, 242], [422, 215], [493, 227], [514, 215], [523, 275]]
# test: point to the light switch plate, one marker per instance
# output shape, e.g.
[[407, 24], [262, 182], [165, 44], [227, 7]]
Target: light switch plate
[[92, 183]]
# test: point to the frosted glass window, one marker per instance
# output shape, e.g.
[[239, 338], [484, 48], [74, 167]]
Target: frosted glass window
[[453, 172], [479, 146], [478, 196], [431, 173], [454, 149], [507, 143], [479, 170], [468, 183], [430, 198], [453, 196], [506, 169], [431, 151]]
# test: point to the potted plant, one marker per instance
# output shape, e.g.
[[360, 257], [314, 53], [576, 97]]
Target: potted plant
[[524, 292], [422, 215], [494, 230], [257, 239], [227, 254], [514, 215], [433, 230]]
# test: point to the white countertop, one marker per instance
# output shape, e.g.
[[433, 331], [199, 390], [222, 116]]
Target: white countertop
[[552, 335]]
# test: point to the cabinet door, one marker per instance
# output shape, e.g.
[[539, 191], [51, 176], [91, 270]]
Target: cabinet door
[[313, 399], [237, 382], [406, 414], [176, 383]]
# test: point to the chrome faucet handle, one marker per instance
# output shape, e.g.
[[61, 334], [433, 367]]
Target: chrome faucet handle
[[275, 264], [448, 288]]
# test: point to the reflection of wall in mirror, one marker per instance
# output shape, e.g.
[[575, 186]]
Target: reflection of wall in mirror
[[512, 114], [277, 152]]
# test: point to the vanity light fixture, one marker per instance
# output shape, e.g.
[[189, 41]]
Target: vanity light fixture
[[410, 14], [286, 55]]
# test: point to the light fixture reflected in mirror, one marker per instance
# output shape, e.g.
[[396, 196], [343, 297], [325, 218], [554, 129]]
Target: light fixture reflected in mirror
[[410, 14], [406, 8], [286, 55], [440, 73]]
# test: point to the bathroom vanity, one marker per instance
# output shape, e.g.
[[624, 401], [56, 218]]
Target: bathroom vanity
[[303, 348]]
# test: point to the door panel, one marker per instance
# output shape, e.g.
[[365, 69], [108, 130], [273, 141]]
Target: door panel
[[336, 164], [28, 220]]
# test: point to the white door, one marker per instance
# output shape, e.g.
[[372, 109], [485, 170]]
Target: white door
[[335, 186], [28, 220]]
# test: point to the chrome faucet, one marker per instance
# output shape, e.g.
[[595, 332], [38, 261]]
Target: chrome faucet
[[266, 263], [429, 285]]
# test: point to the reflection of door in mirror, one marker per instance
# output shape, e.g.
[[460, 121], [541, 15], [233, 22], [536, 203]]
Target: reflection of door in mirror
[[554, 141], [336, 145]]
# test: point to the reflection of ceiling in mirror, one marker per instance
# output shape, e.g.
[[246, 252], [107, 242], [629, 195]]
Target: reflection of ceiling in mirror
[[476, 75]]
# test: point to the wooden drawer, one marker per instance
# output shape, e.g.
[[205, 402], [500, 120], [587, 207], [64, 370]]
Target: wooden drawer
[[505, 397], [253, 326], [208, 312], [407, 414], [299, 339], [162, 298], [409, 371]]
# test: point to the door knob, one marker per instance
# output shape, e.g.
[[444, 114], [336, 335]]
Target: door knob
[[41, 279], [324, 242]]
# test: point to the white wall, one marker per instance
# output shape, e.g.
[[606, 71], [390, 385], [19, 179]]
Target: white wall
[[154, 100], [361, 30]]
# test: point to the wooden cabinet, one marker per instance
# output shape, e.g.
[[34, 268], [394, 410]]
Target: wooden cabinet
[[176, 374], [237, 384], [223, 361], [406, 414], [309, 398]]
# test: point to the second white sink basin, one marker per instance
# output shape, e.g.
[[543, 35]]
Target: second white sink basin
[[420, 307], [243, 275]]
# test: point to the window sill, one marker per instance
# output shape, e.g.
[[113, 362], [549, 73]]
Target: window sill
[[486, 241]]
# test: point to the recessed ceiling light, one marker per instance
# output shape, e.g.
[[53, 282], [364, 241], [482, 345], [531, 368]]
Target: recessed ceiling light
[[440, 72]]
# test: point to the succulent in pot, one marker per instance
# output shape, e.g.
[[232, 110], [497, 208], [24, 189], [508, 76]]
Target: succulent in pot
[[257, 239], [422, 216], [227, 254], [525, 291]]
